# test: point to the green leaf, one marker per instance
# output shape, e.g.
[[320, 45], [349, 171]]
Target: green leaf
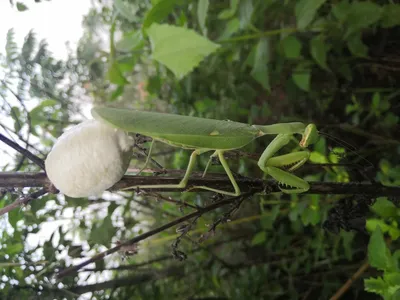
[[301, 78], [305, 12], [126, 9], [115, 75], [291, 47], [393, 231], [385, 208], [132, 40], [14, 216], [356, 46], [180, 49], [267, 220], [117, 92], [21, 6], [158, 12], [202, 9], [16, 115], [230, 12], [231, 28], [362, 15], [246, 9], [103, 234], [376, 285], [260, 66], [390, 15], [378, 255], [259, 238], [319, 49]]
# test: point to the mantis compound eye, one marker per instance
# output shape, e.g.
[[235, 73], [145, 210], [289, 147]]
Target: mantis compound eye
[[88, 159], [310, 136]]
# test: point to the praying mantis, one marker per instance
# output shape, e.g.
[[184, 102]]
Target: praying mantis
[[205, 135]]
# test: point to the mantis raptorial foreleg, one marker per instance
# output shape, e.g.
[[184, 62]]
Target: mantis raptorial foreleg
[[271, 165]]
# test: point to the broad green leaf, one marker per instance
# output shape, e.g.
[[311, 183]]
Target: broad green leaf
[[376, 285], [230, 12], [305, 12], [115, 75], [291, 47], [202, 9], [390, 15], [393, 279], [158, 12], [180, 49], [130, 41], [21, 6], [302, 79], [260, 66], [385, 208], [246, 9], [259, 238], [356, 46], [341, 10], [319, 49], [362, 15], [378, 256], [126, 9]]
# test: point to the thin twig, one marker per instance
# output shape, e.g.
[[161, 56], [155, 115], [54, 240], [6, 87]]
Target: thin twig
[[23, 201], [35, 159], [350, 281]]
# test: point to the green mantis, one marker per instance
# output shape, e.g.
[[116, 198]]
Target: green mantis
[[205, 135]]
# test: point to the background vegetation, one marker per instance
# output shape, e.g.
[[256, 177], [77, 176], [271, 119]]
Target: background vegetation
[[333, 63]]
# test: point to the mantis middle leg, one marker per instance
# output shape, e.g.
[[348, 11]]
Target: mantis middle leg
[[189, 169]]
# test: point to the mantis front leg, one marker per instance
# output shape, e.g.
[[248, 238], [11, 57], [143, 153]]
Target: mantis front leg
[[271, 165]]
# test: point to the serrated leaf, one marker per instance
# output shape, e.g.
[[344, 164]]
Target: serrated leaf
[[126, 9], [180, 49], [385, 208], [356, 46], [260, 70], [305, 12], [16, 114], [259, 238], [319, 49], [21, 6], [132, 40], [291, 47], [376, 285], [377, 250], [202, 9], [302, 79], [158, 12]]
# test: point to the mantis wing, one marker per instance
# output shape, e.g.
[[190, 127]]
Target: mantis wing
[[183, 131]]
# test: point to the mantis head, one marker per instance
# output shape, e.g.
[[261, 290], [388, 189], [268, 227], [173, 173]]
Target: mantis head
[[310, 136]]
